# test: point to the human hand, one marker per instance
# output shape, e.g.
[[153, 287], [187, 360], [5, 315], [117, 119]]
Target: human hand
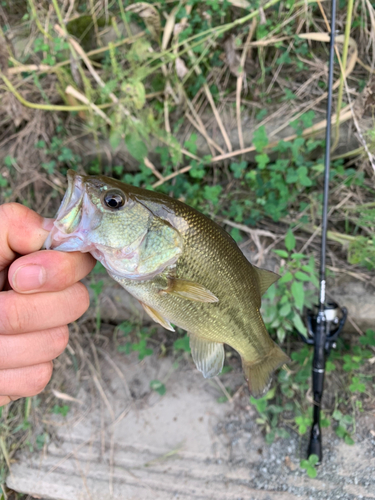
[[39, 295]]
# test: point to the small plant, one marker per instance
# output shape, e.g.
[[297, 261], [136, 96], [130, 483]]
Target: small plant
[[309, 465], [286, 403], [60, 410], [286, 300], [269, 416], [42, 440], [158, 387], [182, 344], [343, 424], [139, 339]]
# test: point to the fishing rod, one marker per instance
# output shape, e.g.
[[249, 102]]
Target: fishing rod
[[326, 321]]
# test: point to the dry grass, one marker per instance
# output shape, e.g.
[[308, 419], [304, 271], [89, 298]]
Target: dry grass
[[22, 127]]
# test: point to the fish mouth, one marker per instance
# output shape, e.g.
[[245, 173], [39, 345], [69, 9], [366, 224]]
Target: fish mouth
[[68, 216], [73, 194]]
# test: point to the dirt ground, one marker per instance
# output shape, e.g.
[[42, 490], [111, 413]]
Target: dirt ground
[[120, 440]]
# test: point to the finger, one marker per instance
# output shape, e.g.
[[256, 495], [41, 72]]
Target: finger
[[42, 311], [26, 381], [49, 271], [27, 349], [22, 231], [4, 400], [3, 278]]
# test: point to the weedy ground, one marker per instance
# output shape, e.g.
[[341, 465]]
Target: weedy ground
[[161, 95]]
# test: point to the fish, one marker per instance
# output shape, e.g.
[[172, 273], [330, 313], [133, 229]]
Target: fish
[[183, 268]]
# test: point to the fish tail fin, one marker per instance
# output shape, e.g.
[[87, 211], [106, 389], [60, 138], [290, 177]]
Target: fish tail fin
[[259, 374]]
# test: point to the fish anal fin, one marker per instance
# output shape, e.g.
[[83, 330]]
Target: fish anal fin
[[189, 290], [208, 356], [266, 278], [157, 317], [259, 374]]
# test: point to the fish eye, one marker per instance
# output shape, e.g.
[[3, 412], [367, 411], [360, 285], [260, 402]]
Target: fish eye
[[114, 199]]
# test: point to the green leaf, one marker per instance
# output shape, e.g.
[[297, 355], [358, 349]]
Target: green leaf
[[212, 193], [191, 143], [158, 387], [270, 437], [292, 176], [226, 369], [330, 367], [126, 327], [238, 169], [368, 338], [114, 139], [347, 420], [281, 334], [284, 434], [132, 88], [197, 170], [8, 161], [298, 294], [182, 344], [297, 322], [313, 459], [290, 241], [285, 278], [97, 287], [348, 440], [260, 139], [298, 256], [285, 309], [3, 181], [126, 348], [262, 160], [337, 415], [222, 399], [325, 422], [304, 464], [236, 234], [311, 472], [49, 166], [307, 268], [356, 385], [281, 253], [136, 147], [302, 429], [302, 276]]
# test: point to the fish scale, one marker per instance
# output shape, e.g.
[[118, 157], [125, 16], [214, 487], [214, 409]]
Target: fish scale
[[198, 279]]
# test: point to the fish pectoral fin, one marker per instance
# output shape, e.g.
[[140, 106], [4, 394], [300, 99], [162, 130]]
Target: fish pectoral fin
[[266, 278], [259, 374], [208, 356], [189, 290], [157, 317]]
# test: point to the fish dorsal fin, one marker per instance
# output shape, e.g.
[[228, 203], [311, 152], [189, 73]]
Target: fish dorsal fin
[[190, 290], [157, 317], [266, 278], [208, 356]]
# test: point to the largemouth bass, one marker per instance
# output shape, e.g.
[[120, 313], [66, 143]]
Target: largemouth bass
[[183, 268]]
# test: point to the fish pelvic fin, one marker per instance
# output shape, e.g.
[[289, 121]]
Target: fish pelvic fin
[[189, 290], [259, 374], [265, 278], [156, 316], [208, 356]]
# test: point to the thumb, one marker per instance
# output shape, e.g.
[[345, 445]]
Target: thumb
[[22, 232]]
